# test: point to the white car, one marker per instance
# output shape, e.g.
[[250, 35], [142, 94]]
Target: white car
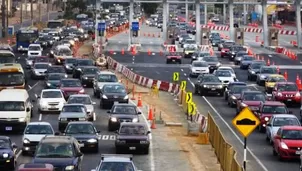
[[85, 100], [33, 134], [227, 69], [34, 50], [277, 121], [224, 76], [55, 35], [51, 100], [190, 43], [199, 67]]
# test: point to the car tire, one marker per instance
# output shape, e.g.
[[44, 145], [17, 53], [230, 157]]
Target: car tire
[[261, 129], [248, 78], [195, 91], [167, 62], [179, 62]]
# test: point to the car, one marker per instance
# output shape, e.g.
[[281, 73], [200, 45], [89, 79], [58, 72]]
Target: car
[[213, 62], [254, 69], [182, 37], [38, 167], [208, 83], [287, 142], [63, 152], [224, 48], [230, 85], [69, 65], [71, 86], [116, 162], [198, 54], [224, 76], [277, 121], [120, 113], [79, 65], [225, 68], [102, 78], [72, 112], [50, 100], [52, 80], [287, 92], [88, 74], [215, 41], [246, 61], [173, 57], [189, 50], [56, 69], [33, 134], [198, 67], [113, 93], [189, 43], [250, 99], [54, 34], [34, 50], [238, 57], [132, 136], [267, 110], [6, 47], [38, 70], [85, 100], [8, 153], [42, 59], [234, 50], [61, 53], [264, 72], [235, 93], [271, 81], [29, 61], [42, 41], [86, 134]]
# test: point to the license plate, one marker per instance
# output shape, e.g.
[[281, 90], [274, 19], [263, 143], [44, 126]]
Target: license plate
[[213, 88], [132, 148], [173, 60], [8, 128], [298, 152], [289, 100], [52, 107]]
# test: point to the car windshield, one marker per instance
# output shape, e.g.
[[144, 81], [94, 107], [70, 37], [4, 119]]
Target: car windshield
[[210, 59], [11, 106], [71, 83], [277, 79], [85, 63], [241, 54], [200, 64], [41, 59], [133, 130], [211, 79], [71, 61], [223, 73], [188, 41], [239, 48], [90, 70], [257, 65], [80, 129], [55, 150], [4, 144], [254, 97], [73, 108], [116, 166], [52, 94], [185, 36], [34, 48], [203, 54], [239, 89], [292, 134], [227, 69], [42, 39], [114, 89], [287, 87], [65, 52], [107, 78], [216, 40], [31, 58], [268, 70], [41, 66], [124, 110], [39, 129], [248, 58], [278, 121], [56, 70], [79, 100], [55, 76], [274, 109]]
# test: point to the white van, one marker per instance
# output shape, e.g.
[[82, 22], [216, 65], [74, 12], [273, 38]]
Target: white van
[[15, 110]]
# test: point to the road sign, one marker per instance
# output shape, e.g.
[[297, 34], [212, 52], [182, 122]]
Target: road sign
[[135, 26], [183, 85], [191, 108], [10, 30], [245, 122], [189, 97], [176, 76], [101, 26]]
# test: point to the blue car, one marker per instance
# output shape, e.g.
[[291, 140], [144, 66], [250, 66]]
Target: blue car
[[246, 61]]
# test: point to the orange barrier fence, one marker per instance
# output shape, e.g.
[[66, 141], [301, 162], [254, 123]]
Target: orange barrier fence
[[253, 25], [278, 26]]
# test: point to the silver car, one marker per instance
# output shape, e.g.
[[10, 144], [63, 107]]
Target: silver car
[[38, 70], [264, 72], [72, 113], [104, 77], [85, 100], [29, 61]]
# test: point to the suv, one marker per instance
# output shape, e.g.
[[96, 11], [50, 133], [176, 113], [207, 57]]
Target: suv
[[63, 152], [104, 77], [116, 162]]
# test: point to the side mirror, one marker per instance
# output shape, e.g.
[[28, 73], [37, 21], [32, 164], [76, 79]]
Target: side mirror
[[98, 131], [108, 111], [268, 124], [94, 103], [57, 133], [139, 113], [14, 146], [277, 137], [290, 112], [38, 96], [80, 154], [148, 132]]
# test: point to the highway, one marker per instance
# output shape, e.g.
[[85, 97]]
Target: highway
[[260, 155]]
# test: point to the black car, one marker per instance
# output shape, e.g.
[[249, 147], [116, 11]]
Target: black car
[[234, 50], [227, 89], [120, 113], [215, 41], [235, 93], [8, 153], [85, 133], [63, 152], [87, 75], [56, 69], [53, 80], [254, 69], [42, 41], [69, 65], [79, 65], [114, 92], [208, 83], [132, 136], [238, 57]]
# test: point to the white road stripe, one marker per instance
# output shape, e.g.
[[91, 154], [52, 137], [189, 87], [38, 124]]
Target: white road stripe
[[105, 137], [40, 117], [31, 87], [112, 137]]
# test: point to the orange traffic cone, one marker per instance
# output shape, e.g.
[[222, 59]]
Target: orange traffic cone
[[297, 79], [133, 93], [123, 51], [148, 34], [160, 53], [139, 101], [150, 115], [149, 52], [300, 85], [153, 126]]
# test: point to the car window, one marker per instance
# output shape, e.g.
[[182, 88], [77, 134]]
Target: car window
[[80, 100], [116, 166], [41, 66], [51, 94], [287, 87], [55, 76], [276, 79], [238, 89], [223, 73], [12, 106], [4, 144], [71, 83], [292, 134], [268, 70], [278, 121], [114, 89], [34, 48], [73, 109], [124, 110], [253, 97], [41, 59], [133, 130], [200, 64], [38, 129], [210, 79], [107, 78], [90, 70], [274, 109], [210, 59], [55, 150]]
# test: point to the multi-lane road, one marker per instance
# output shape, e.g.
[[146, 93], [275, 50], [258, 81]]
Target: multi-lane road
[[260, 155]]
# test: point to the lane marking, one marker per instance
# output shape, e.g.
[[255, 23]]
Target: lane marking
[[112, 137], [182, 70], [185, 74], [105, 137], [31, 87], [36, 95], [233, 132], [40, 117], [18, 154]]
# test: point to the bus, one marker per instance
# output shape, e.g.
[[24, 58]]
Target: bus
[[7, 56], [12, 76], [26, 36], [54, 24]]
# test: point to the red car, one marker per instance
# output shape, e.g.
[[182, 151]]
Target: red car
[[70, 86], [251, 99], [267, 110], [224, 48], [173, 57], [286, 92], [288, 142]]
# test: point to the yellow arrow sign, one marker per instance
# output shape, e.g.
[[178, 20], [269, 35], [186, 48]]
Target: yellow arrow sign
[[183, 85], [245, 122], [176, 76], [189, 97]]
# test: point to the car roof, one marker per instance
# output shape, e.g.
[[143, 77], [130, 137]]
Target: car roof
[[56, 139], [73, 104], [282, 83], [273, 103], [291, 127], [116, 158], [285, 116], [46, 90], [39, 123], [80, 95], [13, 95], [80, 122]]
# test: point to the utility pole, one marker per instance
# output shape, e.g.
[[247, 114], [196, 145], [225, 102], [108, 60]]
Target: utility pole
[[21, 14], [31, 13], [3, 18], [26, 14]]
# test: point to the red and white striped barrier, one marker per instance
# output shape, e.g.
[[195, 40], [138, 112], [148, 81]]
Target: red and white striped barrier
[[253, 30], [203, 123], [205, 47], [141, 80]]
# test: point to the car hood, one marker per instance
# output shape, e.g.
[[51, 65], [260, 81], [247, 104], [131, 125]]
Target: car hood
[[56, 162], [71, 115], [40, 70], [34, 137], [83, 136], [129, 137], [71, 88], [125, 116], [89, 108], [292, 143], [43, 100], [252, 103], [231, 79], [200, 68]]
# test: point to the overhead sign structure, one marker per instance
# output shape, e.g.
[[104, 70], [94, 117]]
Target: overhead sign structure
[[135, 26], [189, 97], [101, 26], [10, 30], [183, 85], [176, 76]]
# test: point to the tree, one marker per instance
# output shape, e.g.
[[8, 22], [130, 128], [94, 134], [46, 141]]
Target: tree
[[149, 8]]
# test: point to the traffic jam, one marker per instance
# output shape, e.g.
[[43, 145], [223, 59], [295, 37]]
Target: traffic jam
[[74, 90]]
